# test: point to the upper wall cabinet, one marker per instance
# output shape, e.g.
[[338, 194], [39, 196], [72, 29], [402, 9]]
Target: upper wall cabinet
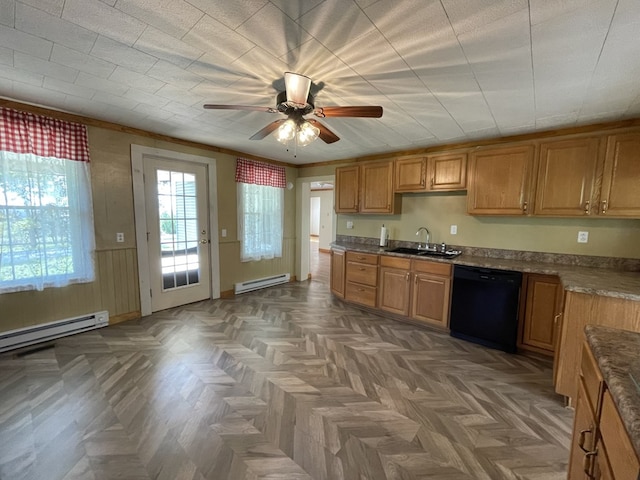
[[567, 175], [620, 195], [500, 180], [442, 172], [366, 188]]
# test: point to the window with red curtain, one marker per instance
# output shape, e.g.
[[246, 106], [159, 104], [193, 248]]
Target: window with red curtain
[[46, 215], [260, 209]]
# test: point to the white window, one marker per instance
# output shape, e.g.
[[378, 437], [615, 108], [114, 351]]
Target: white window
[[260, 209], [46, 221]]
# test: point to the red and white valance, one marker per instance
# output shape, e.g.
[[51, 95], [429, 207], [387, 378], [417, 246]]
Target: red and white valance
[[23, 132], [258, 173]]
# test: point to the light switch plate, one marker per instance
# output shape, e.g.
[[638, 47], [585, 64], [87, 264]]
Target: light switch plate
[[454, 230], [349, 224], [583, 237], [224, 232]]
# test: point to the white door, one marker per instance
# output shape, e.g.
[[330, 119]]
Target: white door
[[177, 232]]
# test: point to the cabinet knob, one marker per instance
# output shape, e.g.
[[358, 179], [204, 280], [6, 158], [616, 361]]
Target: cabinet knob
[[432, 181], [407, 277], [525, 207], [587, 207], [604, 206]]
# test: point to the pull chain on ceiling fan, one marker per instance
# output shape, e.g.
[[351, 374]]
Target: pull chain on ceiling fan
[[296, 102]]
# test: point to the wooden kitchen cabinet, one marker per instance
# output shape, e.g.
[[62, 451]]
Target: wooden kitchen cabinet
[[501, 180], [584, 435], [543, 302], [441, 172], [567, 174], [620, 196], [361, 278], [338, 266], [431, 293], [366, 188], [394, 286]]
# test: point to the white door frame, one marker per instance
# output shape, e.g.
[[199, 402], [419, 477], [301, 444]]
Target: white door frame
[[303, 221], [138, 153]]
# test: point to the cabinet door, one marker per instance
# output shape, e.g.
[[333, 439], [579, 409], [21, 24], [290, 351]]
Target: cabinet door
[[430, 299], [620, 196], [620, 451], [393, 290], [582, 440], [410, 174], [543, 304], [376, 188], [566, 177], [447, 172], [337, 272], [500, 181], [347, 189]]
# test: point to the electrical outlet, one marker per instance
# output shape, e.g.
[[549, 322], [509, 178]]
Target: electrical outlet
[[349, 224], [454, 230], [120, 237], [583, 237], [224, 232]]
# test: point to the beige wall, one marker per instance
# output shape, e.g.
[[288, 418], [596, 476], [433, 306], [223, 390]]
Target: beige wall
[[116, 285], [438, 211]]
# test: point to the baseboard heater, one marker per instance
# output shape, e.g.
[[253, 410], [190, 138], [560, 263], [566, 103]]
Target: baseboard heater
[[258, 283], [24, 337]]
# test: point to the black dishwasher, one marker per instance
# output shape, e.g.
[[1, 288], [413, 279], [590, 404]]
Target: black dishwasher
[[484, 306]]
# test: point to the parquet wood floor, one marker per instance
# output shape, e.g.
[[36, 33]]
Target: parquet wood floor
[[283, 383]]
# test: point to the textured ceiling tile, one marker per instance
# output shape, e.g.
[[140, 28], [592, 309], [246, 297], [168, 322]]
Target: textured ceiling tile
[[102, 84], [140, 96], [317, 62], [208, 68], [336, 23], [600, 101], [174, 17], [232, 14], [80, 61], [464, 18], [511, 107], [110, 22], [618, 61], [260, 65], [22, 76], [122, 55], [167, 72], [271, 29], [68, 88], [136, 80], [7, 12], [160, 45], [153, 112], [295, 10], [627, 13], [37, 95], [44, 67], [177, 94], [25, 43], [548, 10], [220, 41], [114, 100], [567, 119], [54, 7], [6, 56]]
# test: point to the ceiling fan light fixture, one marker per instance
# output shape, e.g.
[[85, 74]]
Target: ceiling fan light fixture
[[286, 132], [307, 133], [297, 87]]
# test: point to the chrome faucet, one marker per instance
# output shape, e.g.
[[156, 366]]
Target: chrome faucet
[[426, 241]]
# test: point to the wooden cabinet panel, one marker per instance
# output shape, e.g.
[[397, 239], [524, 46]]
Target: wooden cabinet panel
[[620, 194], [436, 268], [592, 381], [543, 304], [361, 273], [500, 180], [430, 299], [368, 258], [362, 294], [620, 451], [338, 266], [447, 172], [583, 439], [394, 289], [347, 189], [395, 262], [567, 175], [361, 278], [376, 188], [410, 174]]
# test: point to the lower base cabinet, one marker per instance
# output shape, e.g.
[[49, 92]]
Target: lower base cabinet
[[337, 279], [431, 293], [543, 297]]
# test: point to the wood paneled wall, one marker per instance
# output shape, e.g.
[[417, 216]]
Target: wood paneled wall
[[115, 290]]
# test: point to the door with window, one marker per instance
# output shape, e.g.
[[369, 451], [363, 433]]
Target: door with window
[[177, 232]]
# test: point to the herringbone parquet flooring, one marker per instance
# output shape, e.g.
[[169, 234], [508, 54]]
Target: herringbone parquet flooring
[[283, 383]]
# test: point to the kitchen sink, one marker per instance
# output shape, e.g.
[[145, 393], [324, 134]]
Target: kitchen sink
[[425, 253]]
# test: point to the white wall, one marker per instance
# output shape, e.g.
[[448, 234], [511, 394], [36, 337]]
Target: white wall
[[326, 217]]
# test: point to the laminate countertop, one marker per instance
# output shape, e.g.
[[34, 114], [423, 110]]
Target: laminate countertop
[[618, 355], [590, 280]]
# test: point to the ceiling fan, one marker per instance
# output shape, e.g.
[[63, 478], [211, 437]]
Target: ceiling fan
[[296, 102]]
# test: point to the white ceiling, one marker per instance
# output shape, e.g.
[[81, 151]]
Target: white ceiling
[[444, 71]]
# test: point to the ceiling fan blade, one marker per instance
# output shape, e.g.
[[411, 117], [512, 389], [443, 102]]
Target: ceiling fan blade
[[326, 135], [267, 130], [364, 111], [240, 107]]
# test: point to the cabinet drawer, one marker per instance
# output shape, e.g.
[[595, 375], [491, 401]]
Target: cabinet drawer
[[620, 452], [436, 268], [395, 262], [362, 273], [369, 258], [592, 380], [362, 294]]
